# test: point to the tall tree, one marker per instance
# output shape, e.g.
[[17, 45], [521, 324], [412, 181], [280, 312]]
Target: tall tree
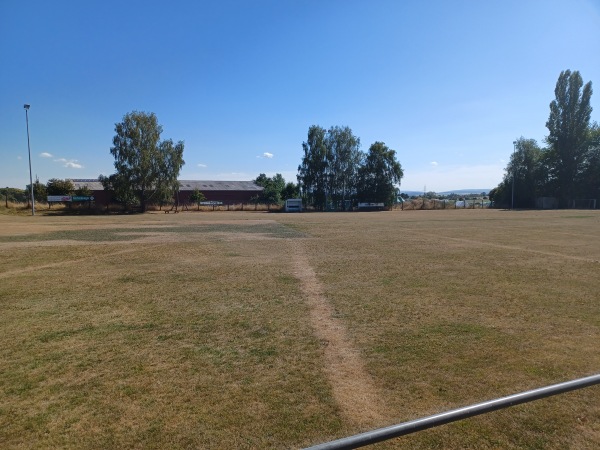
[[39, 191], [272, 188], [343, 161], [278, 183], [290, 191], [590, 174], [83, 191], [312, 171], [14, 195], [120, 187], [56, 186], [145, 166], [568, 126], [379, 175], [529, 177], [197, 197]]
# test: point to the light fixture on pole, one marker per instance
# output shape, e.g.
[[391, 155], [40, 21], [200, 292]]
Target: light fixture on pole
[[26, 106], [512, 202]]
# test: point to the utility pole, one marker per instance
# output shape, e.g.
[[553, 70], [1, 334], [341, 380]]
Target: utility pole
[[26, 106], [512, 202]]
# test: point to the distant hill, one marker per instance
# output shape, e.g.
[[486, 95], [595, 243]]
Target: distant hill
[[466, 191], [457, 191]]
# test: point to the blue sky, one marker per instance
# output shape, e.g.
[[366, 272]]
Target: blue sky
[[447, 84]]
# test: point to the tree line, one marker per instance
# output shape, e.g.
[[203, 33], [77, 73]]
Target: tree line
[[334, 171], [14, 195], [568, 167], [275, 189], [54, 186]]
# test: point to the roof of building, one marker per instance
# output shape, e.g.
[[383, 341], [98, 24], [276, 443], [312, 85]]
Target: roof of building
[[190, 185], [92, 184], [185, 185]]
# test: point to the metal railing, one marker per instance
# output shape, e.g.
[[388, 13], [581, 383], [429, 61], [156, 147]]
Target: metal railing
[[382, 434]]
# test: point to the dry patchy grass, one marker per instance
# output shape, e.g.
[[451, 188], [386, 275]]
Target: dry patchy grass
[[195, 330]]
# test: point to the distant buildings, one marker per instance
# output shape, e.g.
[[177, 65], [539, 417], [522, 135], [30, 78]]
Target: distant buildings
[[227, 192]]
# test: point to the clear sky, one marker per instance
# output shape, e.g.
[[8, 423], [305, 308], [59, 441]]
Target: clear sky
[[448, 84]]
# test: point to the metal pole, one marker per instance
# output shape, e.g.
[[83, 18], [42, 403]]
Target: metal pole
[[29, 151], [382, 434], [512, 203]]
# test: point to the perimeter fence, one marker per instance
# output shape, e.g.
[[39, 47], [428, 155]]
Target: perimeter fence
[[430, 204]]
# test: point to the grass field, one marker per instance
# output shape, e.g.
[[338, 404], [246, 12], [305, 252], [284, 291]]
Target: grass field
[[257, 330]]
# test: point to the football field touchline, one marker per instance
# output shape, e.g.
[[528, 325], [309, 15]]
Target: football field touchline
[[353, 388], [507, 247], [22, 270]]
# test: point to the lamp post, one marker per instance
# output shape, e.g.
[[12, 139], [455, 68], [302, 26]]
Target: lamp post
[[512, 202], [26, 106]]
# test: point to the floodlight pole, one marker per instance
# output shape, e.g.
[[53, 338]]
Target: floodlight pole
[[26, 106], [512, 202]]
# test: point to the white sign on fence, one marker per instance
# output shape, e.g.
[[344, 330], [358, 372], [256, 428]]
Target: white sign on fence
[[59, 198], [370, 205]]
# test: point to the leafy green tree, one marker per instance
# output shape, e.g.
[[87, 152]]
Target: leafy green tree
[[255, 199], [39, 191], [329, 169], [83, 191], [166, 194], [197, 197], [145, 166], [589, 179], [272, 188], [56, 186], [15, 195], [569, 167], [312, 171], [379, 175], [290, 190], [526, 165], [343, 161], [568, 126], [121, 189], [270, 196], [261, 180], [278, 183]]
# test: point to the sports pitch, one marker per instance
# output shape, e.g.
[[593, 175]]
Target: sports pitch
[[258, 330]]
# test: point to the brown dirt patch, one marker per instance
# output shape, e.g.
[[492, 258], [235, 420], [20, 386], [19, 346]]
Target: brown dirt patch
[[352, 386]]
